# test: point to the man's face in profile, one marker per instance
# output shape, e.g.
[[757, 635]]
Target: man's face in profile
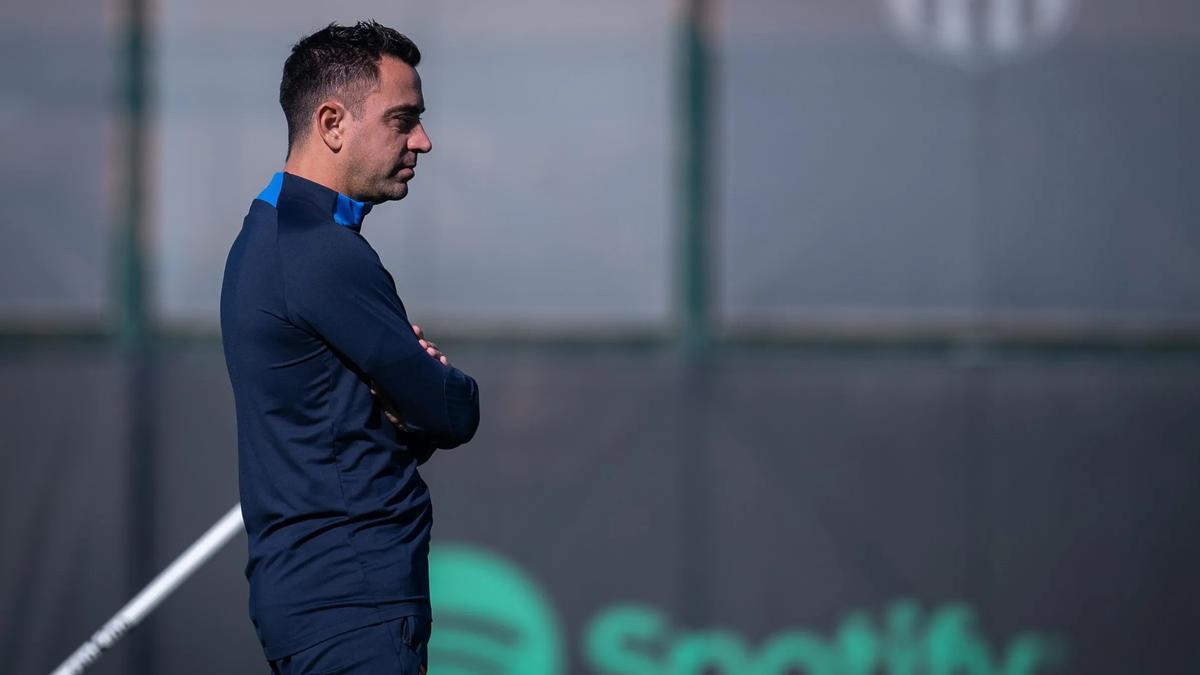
[[387, 137]]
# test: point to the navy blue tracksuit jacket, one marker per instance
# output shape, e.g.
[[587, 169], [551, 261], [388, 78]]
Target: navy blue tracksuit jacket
[[337, 515]]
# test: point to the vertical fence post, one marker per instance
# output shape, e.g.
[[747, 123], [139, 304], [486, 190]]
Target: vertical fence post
[[693, 168], [693, 138], [134, 333]]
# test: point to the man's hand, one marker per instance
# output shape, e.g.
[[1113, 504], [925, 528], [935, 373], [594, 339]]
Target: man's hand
[[430, 346], [389, 410]]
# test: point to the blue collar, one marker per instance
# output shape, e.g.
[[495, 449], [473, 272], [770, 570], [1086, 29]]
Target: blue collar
[[346, 211]]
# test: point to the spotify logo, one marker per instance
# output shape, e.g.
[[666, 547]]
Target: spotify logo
[[489, 618], [636, 640]]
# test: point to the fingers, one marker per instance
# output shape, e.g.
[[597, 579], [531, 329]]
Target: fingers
[[430, 346], [385, 405]]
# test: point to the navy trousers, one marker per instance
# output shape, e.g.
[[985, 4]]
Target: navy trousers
[[397, 647]]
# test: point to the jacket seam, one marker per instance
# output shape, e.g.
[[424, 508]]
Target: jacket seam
[[333, 428]]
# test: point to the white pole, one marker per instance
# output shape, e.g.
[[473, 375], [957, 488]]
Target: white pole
[[152, 595]]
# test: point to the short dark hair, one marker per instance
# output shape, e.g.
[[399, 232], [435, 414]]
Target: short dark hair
[[337, 60]]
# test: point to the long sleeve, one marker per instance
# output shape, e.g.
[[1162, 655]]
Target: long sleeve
[[342, 293]]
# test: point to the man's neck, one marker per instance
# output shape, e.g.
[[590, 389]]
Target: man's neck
[[316, 171]]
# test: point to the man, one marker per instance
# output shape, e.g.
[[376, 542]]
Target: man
[[339, 398]]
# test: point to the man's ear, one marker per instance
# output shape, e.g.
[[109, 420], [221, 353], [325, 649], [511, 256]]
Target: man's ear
[[331, 124]]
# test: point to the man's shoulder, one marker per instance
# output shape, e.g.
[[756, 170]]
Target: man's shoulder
[[310, 250], [309, 235]]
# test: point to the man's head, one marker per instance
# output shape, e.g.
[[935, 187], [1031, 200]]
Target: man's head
[[353, 102]]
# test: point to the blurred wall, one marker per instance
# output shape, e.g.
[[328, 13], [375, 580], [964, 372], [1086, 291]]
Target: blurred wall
[[550, 124], [58, 78], [898, 165], [635, 515]]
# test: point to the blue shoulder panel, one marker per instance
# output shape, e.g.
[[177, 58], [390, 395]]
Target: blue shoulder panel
[[346, 211], [270, 194], [350, 212]]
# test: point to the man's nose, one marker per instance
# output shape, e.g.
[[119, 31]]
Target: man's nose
[[419, 141]]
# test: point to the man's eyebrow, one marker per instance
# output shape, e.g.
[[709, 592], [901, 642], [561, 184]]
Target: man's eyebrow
[[398, 109]]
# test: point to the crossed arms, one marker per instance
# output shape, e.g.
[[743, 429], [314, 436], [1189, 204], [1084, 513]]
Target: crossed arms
[[347, 297]]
